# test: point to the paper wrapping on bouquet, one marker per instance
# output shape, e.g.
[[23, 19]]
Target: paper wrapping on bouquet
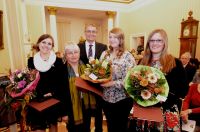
[[40, 106], [103, 80], [83, 85], [148, 113], [30, 87], [146, 85]]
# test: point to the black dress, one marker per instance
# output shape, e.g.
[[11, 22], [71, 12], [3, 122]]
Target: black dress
[[50, 81]]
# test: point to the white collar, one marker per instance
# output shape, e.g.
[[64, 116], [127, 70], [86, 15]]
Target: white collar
[[42, 65], [87, 43]]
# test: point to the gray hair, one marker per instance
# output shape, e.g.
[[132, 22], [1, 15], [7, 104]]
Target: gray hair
[[187, 54], [70, 46]]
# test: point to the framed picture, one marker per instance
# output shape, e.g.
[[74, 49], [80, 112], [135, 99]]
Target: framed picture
[[1, 30]]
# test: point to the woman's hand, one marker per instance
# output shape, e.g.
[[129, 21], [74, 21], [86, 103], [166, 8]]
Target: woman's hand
[[108, 84], [48, 95], [184, 115], [65, 119]]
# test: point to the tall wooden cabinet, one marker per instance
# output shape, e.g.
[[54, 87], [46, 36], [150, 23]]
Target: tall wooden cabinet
[[189, 35]]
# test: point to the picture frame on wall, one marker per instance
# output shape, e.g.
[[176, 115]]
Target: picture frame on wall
[[1, 30]]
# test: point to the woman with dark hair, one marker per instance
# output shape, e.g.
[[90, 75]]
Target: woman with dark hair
[[117, 104], [49, 85], [156, 55]]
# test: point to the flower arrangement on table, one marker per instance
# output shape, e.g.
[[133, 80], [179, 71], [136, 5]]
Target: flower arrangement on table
[[97, 71], [21, 89], [146, 85]]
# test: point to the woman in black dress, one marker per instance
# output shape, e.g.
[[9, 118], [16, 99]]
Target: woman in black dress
[[50, 84]]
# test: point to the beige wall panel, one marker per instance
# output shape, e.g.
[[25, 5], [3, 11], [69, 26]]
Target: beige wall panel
[[161, 14], [35, 17], [4, 56]]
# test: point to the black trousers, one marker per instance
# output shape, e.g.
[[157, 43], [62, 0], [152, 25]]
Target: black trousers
[[117, 114], [97, 113]]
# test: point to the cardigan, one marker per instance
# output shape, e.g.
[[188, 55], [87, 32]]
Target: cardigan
[[192, 100]]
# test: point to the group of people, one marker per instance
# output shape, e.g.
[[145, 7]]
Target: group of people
[[57, 79]]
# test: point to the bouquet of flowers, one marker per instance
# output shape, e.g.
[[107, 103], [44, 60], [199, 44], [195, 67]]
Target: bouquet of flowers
[[21, 89], [97, 71], [146, 85]]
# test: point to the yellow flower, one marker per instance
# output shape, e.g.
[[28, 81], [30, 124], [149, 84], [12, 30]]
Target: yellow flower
[[27, 98], [144, 82]]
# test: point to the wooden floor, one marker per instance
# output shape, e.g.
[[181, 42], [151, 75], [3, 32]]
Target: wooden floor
[[61, 127]]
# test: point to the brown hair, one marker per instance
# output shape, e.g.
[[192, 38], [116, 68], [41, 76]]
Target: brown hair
[[167, 61], [120, 36], [41, 38]]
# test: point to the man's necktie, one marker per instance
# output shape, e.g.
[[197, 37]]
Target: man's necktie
[[90, 51]]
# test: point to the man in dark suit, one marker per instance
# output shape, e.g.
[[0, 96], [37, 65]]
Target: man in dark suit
[[91, 48], [189, 68]]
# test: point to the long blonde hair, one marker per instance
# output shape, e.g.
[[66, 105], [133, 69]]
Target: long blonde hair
[[120, 36], [167, 61]]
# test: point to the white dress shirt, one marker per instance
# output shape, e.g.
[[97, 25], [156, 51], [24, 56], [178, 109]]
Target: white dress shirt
[[87, 48]]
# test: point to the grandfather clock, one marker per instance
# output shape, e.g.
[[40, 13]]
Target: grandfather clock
[[189, 33]]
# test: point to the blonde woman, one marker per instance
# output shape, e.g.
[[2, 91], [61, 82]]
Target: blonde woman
[[117, 104]]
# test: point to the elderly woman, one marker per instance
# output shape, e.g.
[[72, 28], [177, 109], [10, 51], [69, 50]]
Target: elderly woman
[[81, 101]]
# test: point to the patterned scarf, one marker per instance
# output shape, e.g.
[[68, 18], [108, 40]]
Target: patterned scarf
[[88, 98]]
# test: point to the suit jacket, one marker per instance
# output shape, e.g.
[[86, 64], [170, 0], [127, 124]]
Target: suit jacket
[[99, 48], [190, 71]]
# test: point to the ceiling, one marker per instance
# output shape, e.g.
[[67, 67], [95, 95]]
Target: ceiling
[[93, 9], [92, 14]]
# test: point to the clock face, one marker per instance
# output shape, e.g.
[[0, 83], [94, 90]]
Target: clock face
[[186, 31]]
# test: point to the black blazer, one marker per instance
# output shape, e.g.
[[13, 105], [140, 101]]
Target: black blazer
[[99, 48], [177, 82], [190, 71], [56, 82]]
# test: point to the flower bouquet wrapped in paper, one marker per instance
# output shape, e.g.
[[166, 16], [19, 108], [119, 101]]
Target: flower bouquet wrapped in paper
[[97, 71], [21, 89], [146, 85]]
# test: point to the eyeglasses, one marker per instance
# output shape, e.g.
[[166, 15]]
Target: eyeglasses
[[72, 53], [91, 31], [156, 40]]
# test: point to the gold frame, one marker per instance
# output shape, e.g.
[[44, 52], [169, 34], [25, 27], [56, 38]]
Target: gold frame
[[118, 1], [1, 30]]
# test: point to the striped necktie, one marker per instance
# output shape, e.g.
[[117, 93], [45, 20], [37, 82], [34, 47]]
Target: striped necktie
[[90, 51]]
